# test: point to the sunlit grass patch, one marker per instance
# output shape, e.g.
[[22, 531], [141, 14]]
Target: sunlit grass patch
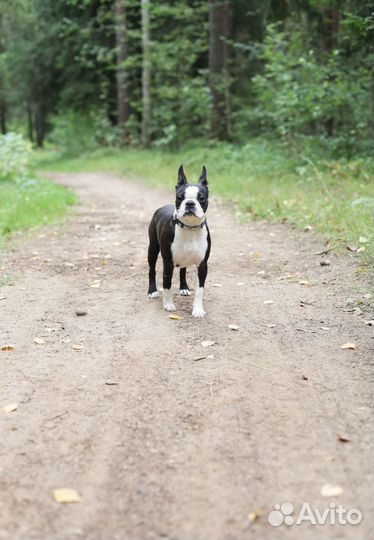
[[31, 203]]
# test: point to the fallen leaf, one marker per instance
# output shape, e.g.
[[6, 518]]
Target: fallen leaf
[[233, 327], [111, 383], [217, 284], [11, 407], [353, 249], [328, 490], [77, 347], [39, 341], [343, 438], [305, 378], [80, 312], [303, 282], [269, 302], [348, 346], [363, 240], [207, 343], [66, 495], [325, 262], [367, 296], [175, 317], [254, 516], [325, 328], [271, 325], [8, 347], [95, 285]]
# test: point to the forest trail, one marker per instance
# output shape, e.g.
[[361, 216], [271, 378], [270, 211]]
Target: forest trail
[[157, 443]]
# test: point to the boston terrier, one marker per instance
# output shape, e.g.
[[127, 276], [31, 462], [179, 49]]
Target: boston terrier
[[181, 233]]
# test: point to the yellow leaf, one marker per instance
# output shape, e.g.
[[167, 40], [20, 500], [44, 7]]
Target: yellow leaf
[[253, 516], [8, 347], [39, 341], [175, 317], [328, 490], [66, 495], [348, 346], [10, 408], [207, 343], [77, 347]]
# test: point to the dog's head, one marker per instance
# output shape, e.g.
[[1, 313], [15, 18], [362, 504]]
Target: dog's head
[[191, 200]]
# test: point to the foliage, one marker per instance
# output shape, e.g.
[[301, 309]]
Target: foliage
[[14, 156], [297, 94], [76, 132], [297, 69]]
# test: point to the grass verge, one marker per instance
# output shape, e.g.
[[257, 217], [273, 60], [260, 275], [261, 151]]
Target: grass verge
[[263, 178], [30, 203]]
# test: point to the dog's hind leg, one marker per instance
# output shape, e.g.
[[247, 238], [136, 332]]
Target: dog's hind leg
[[184, 289], [153, 251]]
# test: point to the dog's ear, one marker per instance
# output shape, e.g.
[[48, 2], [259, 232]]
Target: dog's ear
[[203, 179], [181, 177]]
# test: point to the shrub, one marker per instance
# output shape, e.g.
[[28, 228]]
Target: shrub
[[298, 93], [14, 156], [77, 132]]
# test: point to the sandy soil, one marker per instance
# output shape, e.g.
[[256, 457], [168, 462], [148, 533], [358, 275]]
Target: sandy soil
[[157, 443]]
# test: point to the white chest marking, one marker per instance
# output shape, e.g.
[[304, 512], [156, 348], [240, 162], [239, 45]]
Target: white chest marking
[[189, 246]]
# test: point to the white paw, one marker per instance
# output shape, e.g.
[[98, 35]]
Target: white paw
[[185, 292], [169, 306], [198, 312], [153, 295]]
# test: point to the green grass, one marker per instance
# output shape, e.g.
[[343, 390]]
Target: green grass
[[31, 203], [263, 178]]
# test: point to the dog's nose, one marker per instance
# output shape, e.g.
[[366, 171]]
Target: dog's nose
[[190, 204]]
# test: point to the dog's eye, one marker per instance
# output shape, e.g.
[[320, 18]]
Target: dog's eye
[[201, 198]]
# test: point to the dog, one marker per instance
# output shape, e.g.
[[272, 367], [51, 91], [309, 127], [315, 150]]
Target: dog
[[181, 233]]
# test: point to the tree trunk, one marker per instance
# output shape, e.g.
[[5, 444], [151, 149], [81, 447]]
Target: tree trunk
[[3, 118], [39, 126], [30, 122], [332, 42], [121, 42], [146, 75], [219, 31]]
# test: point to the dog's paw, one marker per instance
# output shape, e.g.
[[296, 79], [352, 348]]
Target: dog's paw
[[153, 294], [198, 312], [185, 292], [169, 306]]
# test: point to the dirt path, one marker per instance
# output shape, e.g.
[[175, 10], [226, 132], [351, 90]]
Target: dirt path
[[160, 445]]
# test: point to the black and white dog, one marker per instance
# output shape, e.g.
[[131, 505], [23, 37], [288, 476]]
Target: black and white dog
[[181, 233]]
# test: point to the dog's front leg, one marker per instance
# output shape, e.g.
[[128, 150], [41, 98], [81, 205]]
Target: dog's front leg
[[167, 295], [198, 309]]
